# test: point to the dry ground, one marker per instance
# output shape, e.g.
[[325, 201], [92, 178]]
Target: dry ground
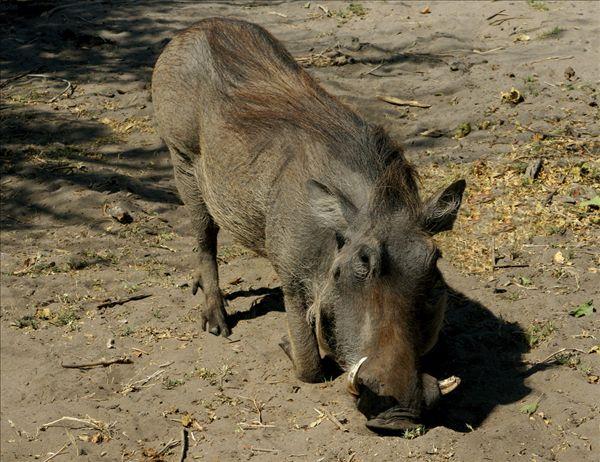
[[77, 137]]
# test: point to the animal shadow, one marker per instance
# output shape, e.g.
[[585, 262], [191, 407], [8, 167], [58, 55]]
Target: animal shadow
[[270, 300], [485, 351]]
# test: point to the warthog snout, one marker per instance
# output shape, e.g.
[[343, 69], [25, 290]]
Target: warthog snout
[[385, 414]]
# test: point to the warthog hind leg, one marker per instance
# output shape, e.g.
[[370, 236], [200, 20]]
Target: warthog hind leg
[[214, 316]]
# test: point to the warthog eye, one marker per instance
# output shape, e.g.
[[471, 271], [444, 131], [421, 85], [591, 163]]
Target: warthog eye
[[363, 263]]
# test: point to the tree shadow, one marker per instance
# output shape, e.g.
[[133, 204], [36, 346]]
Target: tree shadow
[[486, 352], [43, 152]]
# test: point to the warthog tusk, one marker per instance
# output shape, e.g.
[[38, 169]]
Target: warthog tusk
[[353, 377], [446, 386], [449, 384]]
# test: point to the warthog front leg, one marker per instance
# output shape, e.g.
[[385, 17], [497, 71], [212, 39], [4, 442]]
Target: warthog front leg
[[301, 343]]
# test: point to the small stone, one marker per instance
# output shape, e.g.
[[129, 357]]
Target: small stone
[[119, 213], [456, 66], [569, 73], [558, 258], [332, 53], [340, 61], [351, 43]]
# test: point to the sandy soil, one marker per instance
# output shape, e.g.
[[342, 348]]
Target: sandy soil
[[82, 139]]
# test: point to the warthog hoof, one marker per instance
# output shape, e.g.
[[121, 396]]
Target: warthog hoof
[[214, 319]]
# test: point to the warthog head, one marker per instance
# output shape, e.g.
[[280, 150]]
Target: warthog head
[[381, 304]]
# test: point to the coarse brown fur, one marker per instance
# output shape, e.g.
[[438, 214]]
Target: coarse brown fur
[[261, 150]]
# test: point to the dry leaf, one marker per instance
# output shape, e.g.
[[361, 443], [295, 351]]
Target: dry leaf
[[187, 420], [559, 258], [96, 438], [316, 422], [522, 38], [27, 264], [513, 96], [43, 313]]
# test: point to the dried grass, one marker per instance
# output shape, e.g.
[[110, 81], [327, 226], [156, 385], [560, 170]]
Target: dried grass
[[501, 202]]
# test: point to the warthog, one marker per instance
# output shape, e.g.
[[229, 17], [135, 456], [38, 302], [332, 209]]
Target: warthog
[[262, 151]]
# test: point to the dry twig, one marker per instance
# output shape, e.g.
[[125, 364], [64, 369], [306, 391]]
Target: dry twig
[[54, 454], [323, 414], [500, 21], [18, 76], [170, 445], [87, 423], [138, 384], [69, 87], [122, 301], [549, 58], [324, 9], [556, 353], [46, 76], [362, 74], [274, 451], [402, 102], [512, 265], [495, 14], [258, 423], [334, 420], [101, 362], [479, 52]]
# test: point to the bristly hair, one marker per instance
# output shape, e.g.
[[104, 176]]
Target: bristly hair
[[265, 91], [397, 186]]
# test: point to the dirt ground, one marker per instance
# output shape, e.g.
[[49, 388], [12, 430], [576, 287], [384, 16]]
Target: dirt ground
[[523, 260]]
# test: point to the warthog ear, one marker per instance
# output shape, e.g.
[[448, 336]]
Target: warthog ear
[[330, 205], [441, 210]]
